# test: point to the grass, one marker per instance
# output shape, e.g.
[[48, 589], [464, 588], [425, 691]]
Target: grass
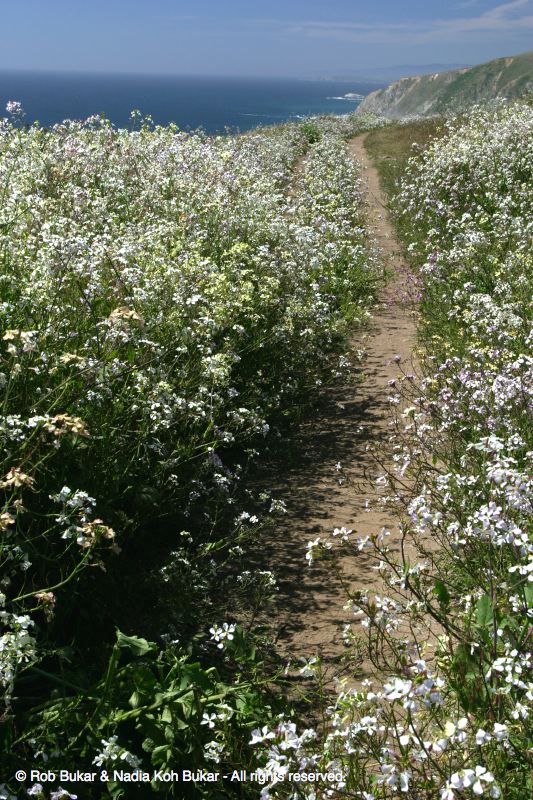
[[456, 91], [390, 148]]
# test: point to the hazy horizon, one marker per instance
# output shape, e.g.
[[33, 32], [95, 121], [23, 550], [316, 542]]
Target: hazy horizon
[[299, 40], [344, 74]]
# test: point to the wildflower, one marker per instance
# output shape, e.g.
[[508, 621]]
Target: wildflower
[[63, 423], [500, 732], [15, 478], [25, 341], [260, 735], [14, 108], [397, 689], [113, 752], [343, 533], [456, 731], [72, 358], [48, 600], [224, 712], [62, 794], [89, 533], [482, 737], [6, 520], [474, 779], [213, 751], [308, 669], [312, 548], [124, 314], [222, 634]]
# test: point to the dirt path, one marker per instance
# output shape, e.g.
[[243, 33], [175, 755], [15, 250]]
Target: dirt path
[[309, 608]]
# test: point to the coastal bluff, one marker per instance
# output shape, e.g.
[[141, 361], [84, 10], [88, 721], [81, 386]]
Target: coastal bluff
[[454, 91]]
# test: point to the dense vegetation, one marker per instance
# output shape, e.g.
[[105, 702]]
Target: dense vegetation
[[449, 713], [167, 300]]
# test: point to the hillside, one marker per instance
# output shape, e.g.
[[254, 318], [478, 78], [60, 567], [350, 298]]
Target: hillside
[[453, 91]]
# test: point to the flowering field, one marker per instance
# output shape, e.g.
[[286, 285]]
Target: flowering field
[[168, 302], [451, 716], [167, 298]]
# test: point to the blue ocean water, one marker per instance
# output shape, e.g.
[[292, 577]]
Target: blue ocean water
[[212, 103]]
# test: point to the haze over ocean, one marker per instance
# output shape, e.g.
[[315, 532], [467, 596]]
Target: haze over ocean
[[212, 103]]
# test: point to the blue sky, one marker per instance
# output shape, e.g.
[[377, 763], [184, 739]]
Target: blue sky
[[301, 38]]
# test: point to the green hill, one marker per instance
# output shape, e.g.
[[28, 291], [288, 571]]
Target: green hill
[[454, 91]]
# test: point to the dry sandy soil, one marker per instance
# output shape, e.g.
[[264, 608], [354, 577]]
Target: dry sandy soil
[[308, 612]]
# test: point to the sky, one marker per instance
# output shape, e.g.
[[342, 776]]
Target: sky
[[293, 38]]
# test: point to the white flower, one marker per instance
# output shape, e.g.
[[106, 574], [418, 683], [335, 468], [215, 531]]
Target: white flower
[[313, 547], [261, 735], [222, 634], [397, 689], [404, 781], [112, 752], [471, 778], [456, 731], [14, 108], [501, 733], [482, 737], [343, 532], [213, 751], [308, 669], [62, 794]]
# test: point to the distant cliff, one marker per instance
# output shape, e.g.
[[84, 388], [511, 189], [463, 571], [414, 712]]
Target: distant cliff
[[454, 91]]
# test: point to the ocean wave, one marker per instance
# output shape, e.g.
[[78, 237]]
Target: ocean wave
[[266, 116], [348, 99]]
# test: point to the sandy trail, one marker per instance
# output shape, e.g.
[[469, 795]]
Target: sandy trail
[[308, 611]]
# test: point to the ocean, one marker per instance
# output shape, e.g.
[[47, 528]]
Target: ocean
[[213, 104]]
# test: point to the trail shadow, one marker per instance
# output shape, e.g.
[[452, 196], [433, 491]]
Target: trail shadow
[[308, 613], [302, 471]]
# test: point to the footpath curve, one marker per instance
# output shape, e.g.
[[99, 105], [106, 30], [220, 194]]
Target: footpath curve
[[308, 610]]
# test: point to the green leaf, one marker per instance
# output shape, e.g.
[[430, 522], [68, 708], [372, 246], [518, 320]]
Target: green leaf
[[484, 612], [136, 645], [169, 733], [442, 592], [135, 700]]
